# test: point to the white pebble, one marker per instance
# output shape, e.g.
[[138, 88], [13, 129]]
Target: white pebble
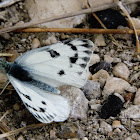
[[99, 40], [35, 43], [108, 58], [121, 70], [95, 59]]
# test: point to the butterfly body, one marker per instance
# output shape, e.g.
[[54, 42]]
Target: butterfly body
[[36, 75]]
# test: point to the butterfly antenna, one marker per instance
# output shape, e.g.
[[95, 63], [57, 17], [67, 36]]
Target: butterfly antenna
[[4, 87]]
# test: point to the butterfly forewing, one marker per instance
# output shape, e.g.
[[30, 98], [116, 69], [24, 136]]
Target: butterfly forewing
[[64, 63]]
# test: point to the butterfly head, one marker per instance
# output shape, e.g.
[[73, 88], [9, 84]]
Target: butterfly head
[[4, 66]]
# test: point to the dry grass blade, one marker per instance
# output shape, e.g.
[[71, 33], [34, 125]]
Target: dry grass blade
[[4, 87], [4, 128], [127, 14], [5, 54], [7, 112], [32, 126]]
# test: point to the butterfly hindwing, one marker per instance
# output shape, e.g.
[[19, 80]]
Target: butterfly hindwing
[[46, 107], [64, 63]]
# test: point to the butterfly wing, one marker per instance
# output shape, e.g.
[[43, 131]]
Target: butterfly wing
[[64, 63], [46, 107]]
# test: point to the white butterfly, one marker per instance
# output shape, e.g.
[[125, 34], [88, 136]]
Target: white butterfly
[[36, 74]]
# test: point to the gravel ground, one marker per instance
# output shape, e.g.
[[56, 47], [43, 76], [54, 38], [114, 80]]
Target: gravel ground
[[120, 75]]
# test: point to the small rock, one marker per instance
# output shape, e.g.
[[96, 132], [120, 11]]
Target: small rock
[[101, 65], [135, 136], [132, 112], [94, 59], [117, 130], [16, 106], [20, 138], [116, 124], [92, 90], [35, 43], [6, 36], [12, 58], [112, 85], [112, 106], [128, 138], [85, 138], [52, 135], [105, 128], [121, 70], [101, 77], [94, 105], [73, 139], [78, 101], [116, 60], [99, 40], [108, 59], [135, 68], [70, 130], [134, 77], [129, 96], [50, 40], [137, 97]]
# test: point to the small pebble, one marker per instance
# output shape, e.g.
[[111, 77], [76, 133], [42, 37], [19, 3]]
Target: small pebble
[[12, 58], [52, 135], [94, 59], [112, 84], [135, 68], [99, 40], [16, 106], [105, 127], [85, 138], [116, 124], [35, 43], [20, 138], [129, 96], [117, 130], [121, 71], [108, 59]]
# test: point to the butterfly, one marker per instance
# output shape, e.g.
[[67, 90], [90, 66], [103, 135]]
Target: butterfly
[[36, 75]]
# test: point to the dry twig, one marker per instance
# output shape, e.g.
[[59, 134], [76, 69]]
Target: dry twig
[[78, 30], [7, 112], [3, 127]]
